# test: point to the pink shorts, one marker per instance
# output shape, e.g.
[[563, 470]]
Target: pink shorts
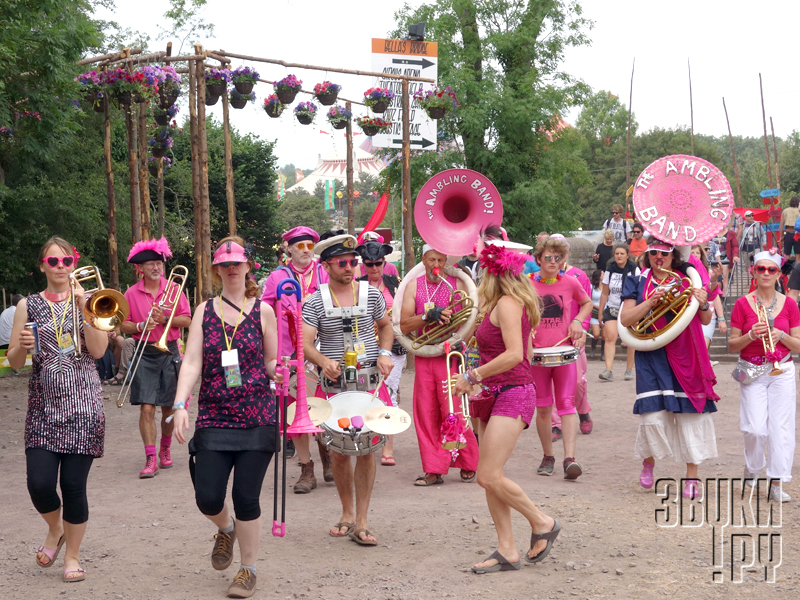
[[562, 380], [517, 401]]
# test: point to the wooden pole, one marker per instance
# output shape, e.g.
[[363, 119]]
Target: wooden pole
[[351, 217], [775, 154], [733, 154], [160, 196], [408, 219], [144, 173], [764, 118], [628, 154], [226, 128], [113, 259], [202, 142], [691, 104], [196, 194], [133, 174], [115, 55]]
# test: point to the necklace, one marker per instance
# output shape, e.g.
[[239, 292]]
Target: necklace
[[547, 280], [428, 289], [56, 297], [772, 304]]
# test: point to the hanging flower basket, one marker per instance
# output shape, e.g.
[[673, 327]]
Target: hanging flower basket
[[217, 82], [378, 99], [124, 98], [244, 87], [138, 98], [210, 101], [169, 91], [327, 92], [437, 103], [158, 151], [163, 117], [165, 100], [436, 112], [338, 116], [152, 164], [372, 126], [99, 105], [287, 88], [238, 100], [244, 78], [160, 142], [216, 88], [340, 125], [273, 106], [305, 112]]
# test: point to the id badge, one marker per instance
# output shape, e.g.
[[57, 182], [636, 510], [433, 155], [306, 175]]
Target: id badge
[[65, 345], [230, 358], [361, 350], [428, 305], [233, 376]]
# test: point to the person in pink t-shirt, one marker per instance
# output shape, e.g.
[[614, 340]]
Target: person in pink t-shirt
[[558, 384]]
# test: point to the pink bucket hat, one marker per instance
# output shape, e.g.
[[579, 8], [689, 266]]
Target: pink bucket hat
[[299, 234], [230, 252]]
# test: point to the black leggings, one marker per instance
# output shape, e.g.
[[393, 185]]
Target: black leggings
[[42, 476], [210, 471]]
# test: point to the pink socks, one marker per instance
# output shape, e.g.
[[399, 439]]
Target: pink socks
[[149, 450], [166, 441]]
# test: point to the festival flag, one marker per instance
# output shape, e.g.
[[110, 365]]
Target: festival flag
[[298, 176], [330, 189], [281, 185]]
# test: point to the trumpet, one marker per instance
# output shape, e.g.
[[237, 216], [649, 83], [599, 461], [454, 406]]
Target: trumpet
[[169, 301], [105, 309], [436, 333], [449, 383], [766, 339]]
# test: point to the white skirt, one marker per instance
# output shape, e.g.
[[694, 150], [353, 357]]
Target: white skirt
[[686, 437]]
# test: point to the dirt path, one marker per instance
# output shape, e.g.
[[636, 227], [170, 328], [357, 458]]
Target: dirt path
[[146, 538]]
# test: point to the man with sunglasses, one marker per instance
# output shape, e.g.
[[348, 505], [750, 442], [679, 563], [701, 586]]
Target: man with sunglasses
[[341, 316], [156, 379], [302, 267], [638, 243], [425, 302], [620, 227]]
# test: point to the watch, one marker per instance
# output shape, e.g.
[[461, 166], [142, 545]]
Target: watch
[[706, 307]]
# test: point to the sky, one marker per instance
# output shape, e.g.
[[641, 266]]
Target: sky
[[728, 47]]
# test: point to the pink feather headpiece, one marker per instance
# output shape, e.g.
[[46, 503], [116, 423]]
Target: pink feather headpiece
[[499, 260], [150, 250]]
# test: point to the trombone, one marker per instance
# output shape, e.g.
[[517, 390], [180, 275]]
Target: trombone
[[766, 339], [169, 300], [455, 444], [437, 332], [105, 309]]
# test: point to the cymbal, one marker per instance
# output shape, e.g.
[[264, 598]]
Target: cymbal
[[387, 420], [319, 410]]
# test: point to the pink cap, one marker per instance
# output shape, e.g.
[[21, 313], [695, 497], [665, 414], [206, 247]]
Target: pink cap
[[230, 252], [299, 234]]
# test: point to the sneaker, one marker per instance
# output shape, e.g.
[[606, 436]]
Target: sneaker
[[572, 470], [714, 363], [628, 375], [222, 554], [556, 434], [546, 468], [244, 584], [586, 423], [750, 478], [606, 375], [646, 476], [164, 457], [290, 451], [777, 493], [150, 468], [692, 489]]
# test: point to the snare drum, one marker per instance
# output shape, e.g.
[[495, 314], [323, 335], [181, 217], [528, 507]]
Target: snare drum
[[554, 356], [349, 405]]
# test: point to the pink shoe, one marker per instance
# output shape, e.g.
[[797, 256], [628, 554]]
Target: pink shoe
[[164, 457], [692, 489], [646, 476], [150, 468], [586, 426]]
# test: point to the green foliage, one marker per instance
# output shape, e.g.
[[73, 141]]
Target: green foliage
[[604, 119], [188, 24], [304, 210]]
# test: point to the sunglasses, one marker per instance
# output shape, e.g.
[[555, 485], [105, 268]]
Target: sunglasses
[[764, 269], [353, 262], [556, 259], [637, 231], [614, 212], [54, 261], [659, 252], [369, 265], [225, 265], [304, 245]]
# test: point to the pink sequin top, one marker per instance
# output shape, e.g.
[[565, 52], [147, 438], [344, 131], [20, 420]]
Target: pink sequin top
[[491, 345]]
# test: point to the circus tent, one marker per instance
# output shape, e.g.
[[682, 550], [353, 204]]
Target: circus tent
[[334, 167]]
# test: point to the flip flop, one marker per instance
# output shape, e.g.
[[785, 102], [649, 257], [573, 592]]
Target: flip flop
[[355, 535], [388, 461], [51, 554], [502, 564], [339, 525], [550, 536], [423, 480], [467, 478], [80, 577]]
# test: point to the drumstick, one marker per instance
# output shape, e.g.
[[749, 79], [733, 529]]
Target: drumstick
[[586, 333], [377, 387]]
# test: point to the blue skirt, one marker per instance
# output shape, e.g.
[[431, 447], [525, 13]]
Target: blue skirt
[[658, 389]]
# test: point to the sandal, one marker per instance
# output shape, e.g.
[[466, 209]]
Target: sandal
[[502, 564], [51, 554], [116, 381], [550, 536], [80, 577], [339, 525], [388, 461], [355, 535], [468, 478], [429, 479]]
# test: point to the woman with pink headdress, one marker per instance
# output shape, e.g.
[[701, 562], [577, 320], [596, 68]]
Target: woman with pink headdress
[[511, 309], [675, 383]]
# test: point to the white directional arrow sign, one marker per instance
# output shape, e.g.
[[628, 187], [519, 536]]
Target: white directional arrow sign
[[405, 57]]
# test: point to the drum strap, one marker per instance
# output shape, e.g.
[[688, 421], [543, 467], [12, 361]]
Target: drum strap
[[345, 313]]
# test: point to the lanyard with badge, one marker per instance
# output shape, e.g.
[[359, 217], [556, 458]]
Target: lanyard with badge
[[359, 346], [230, 357], [66, 347]]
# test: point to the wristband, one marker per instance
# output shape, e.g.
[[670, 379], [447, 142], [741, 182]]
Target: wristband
[[783, 335], [385, 353], [578, 321], [139, 327], [750, 335], [179, 406]]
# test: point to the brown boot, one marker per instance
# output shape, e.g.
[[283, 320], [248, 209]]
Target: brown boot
[[327, 471], [307, 481]]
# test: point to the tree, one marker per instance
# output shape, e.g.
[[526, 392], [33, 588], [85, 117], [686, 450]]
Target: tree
[[503, 61], [306, 211], [604, 119]]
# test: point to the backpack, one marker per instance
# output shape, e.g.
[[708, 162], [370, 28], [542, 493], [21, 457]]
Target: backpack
[[797, 223], [626, 227]]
